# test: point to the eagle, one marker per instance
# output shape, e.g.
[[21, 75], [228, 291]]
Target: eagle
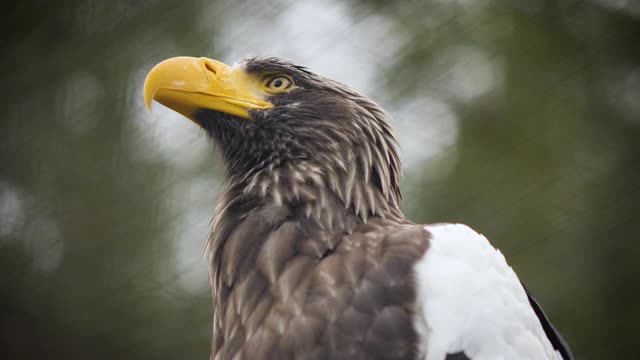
[[310, 255]]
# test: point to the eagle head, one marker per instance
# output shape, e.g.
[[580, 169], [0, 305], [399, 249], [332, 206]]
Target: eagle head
[[286, 134]]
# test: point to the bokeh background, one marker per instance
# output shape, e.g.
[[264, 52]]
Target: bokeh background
[[520, 118]]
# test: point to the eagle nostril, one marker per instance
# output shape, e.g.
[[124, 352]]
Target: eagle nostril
[[210, 67]]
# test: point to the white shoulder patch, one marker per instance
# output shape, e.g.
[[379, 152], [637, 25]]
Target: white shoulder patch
[[470, 300]]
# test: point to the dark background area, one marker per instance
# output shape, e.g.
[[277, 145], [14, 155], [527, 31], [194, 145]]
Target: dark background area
[[518, 118]]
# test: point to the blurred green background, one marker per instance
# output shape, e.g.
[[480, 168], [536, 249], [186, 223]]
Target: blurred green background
[[520, 118]]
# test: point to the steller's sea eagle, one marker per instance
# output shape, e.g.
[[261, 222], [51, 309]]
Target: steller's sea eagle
[[310, 255]]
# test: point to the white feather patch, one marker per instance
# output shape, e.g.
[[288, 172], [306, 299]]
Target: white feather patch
[[470, 300]]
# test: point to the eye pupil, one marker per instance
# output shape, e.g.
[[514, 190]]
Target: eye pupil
[[279, 83]]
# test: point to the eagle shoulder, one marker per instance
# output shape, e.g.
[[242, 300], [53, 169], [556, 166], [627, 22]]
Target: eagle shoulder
[[471, 301]]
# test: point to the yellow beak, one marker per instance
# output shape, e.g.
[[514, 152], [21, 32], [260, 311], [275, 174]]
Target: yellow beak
[[187, 84]]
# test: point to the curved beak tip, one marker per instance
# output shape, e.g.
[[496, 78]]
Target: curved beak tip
[[148, 99], [148, 92]]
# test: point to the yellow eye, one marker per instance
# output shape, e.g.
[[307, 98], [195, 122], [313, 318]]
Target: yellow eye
[[279, 83]]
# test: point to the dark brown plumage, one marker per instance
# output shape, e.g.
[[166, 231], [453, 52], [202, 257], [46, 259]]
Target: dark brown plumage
[[302, 292]]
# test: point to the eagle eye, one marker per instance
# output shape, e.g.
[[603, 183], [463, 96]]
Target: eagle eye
[[279, 83]]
